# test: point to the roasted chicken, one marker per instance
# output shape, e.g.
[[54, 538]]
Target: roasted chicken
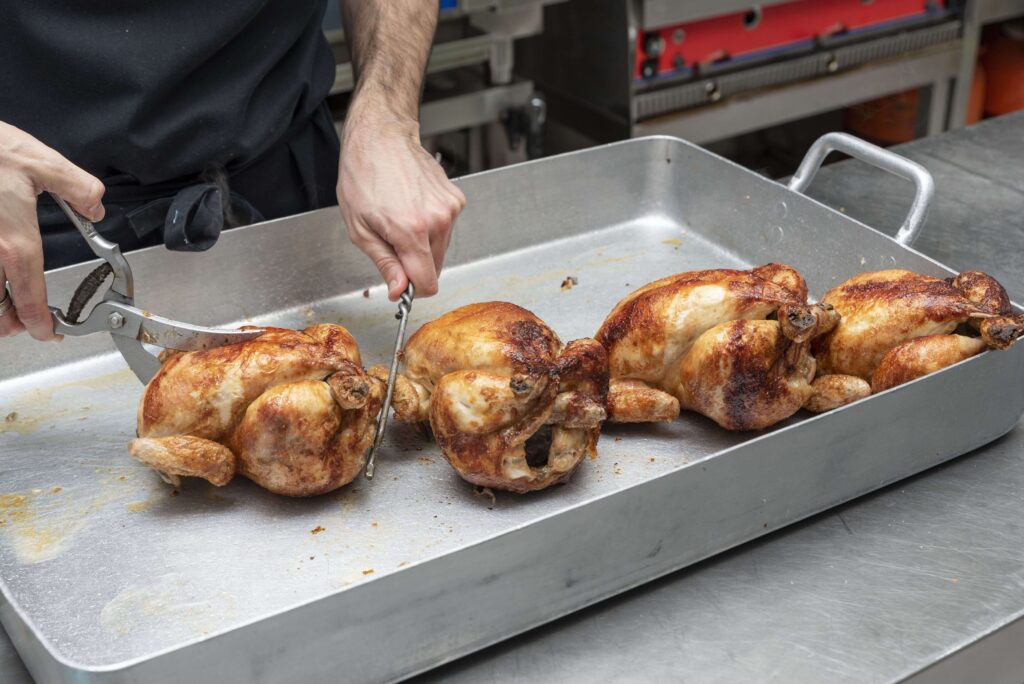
[[898, 325], [510, 406], [291, 410], [702, 341]]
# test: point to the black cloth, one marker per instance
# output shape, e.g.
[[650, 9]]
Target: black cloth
[[297, 175], [156, 96]]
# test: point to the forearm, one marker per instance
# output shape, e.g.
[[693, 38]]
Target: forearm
[[389, 42], [398, 205]]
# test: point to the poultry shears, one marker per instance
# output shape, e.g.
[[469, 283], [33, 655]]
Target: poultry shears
[[116, 313]]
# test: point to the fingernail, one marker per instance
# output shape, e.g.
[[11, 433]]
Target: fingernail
[[393, 285]]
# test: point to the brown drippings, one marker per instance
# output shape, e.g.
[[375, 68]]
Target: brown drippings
[[368, 572], [569, 283], [11, 417], [366, 293], [36, 531], [317, 530], [486, 491], [140, 506]]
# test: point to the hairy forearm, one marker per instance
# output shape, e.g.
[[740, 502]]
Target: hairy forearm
[[389, 42], [398, 205]]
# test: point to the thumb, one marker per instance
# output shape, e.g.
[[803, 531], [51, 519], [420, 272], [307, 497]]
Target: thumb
[[386, 261], [80, 189]]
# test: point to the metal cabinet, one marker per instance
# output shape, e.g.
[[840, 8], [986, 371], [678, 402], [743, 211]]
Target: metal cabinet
[[586, 63]]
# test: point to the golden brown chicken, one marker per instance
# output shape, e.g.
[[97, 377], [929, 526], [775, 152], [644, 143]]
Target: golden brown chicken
[[750, 374], [898, 325], [291, 410], [701, 341], [510, 406]]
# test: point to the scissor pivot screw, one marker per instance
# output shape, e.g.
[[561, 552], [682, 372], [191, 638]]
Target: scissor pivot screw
[[115, 320]]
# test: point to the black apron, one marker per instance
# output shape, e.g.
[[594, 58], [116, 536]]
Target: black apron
[[296, 175], [196, 115]]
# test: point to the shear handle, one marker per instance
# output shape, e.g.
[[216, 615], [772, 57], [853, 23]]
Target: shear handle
[[123, 287]]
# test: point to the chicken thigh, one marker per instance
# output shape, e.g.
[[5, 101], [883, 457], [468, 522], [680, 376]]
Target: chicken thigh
[[510, 406], [700, 340], [898, 325], [748, 374], [291, 410]]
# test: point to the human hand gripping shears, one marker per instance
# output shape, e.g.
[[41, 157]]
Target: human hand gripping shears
[[116, 313]]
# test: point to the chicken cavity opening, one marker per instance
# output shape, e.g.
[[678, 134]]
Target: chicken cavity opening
[[538, 447]]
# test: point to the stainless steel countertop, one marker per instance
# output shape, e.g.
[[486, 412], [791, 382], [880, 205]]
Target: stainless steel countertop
[[877, 590]]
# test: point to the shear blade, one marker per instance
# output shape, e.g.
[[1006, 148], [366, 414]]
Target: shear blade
[[169, 334]]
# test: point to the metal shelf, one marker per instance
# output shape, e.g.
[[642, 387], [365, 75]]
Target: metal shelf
[[822, 63], [990, 11], [472, 109], [469, 6], [457, 53], [658, 13], [932, 67]]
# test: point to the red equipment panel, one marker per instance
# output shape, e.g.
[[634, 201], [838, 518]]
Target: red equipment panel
[[775, 27]]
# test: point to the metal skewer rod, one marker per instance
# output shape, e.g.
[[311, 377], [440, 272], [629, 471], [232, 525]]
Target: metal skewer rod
[[404, 306]]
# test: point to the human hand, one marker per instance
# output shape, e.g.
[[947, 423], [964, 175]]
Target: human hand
[[27, 168], [398, 204]]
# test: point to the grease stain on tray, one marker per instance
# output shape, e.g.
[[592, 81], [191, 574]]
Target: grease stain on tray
[[21, 424], [41, 523], [38, 527], [44, 406], [140, 506], [171, 603]]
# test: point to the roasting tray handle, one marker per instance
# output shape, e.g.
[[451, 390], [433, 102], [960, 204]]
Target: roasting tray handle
[[876, 156]]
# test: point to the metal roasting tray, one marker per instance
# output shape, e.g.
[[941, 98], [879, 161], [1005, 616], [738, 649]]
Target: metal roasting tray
[[107, 577]]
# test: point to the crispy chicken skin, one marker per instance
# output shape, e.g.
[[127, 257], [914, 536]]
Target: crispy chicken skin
[[509, 404], [738, 374], [897, 325], [748, 374], [833, 391], [291, 410], [700, 341], [648, 333], [921, 356]]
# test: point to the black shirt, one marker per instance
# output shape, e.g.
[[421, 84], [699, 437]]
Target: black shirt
[[147, 91]]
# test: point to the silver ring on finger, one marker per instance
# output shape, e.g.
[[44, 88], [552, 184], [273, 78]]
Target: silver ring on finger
[[6, 304]]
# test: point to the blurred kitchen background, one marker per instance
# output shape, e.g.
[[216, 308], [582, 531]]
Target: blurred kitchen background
[[511, 80]]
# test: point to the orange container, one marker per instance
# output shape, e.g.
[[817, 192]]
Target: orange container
[[976, 105], [1003, 60], [888, 120]]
